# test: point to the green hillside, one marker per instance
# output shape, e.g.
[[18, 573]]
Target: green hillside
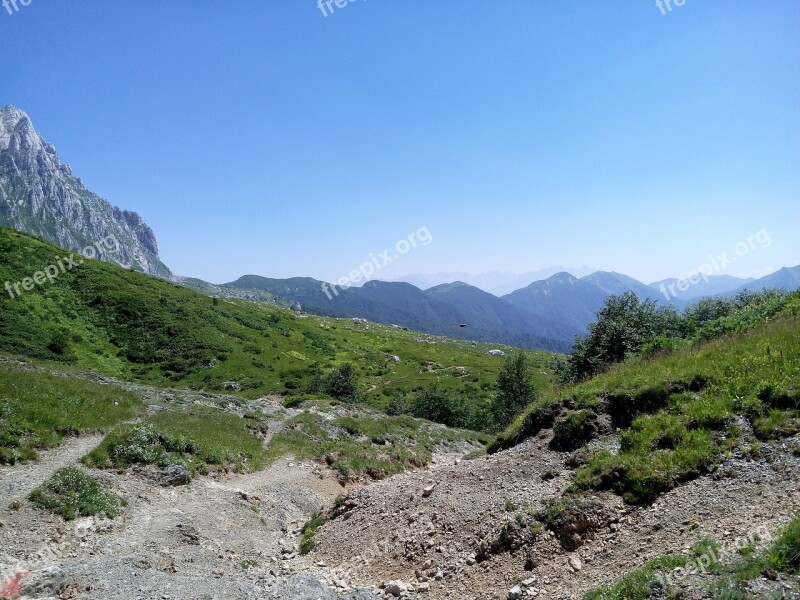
[[677, 414], [104, 318]]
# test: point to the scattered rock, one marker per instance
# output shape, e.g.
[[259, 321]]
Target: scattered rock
[[174, 475], [49, 581], [575, 562], [304, 586], [396, 588]]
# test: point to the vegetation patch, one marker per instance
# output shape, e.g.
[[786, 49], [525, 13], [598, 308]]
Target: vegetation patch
[[575, 517], [641, 584], [365, 444], [139, 328], [574, 430], [724, 579], [71, 492], [541, 415], [309, 531], [678, 414], [200, 439], [38, 409]]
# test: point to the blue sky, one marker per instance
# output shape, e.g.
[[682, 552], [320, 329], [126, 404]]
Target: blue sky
[[263, 137]]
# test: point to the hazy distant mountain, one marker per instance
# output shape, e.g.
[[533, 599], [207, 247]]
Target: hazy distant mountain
[[440, 311], [494, 282], [481, 309], [616, 283], [716, 284], [39, 195], [545, 314], [563, 298], [788, 278]]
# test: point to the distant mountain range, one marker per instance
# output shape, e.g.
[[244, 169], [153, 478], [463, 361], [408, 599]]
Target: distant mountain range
[[546, 314], [455, 310], [498, 283], [544, 309]]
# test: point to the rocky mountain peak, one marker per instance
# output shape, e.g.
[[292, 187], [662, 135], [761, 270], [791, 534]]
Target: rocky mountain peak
[[39, 195]]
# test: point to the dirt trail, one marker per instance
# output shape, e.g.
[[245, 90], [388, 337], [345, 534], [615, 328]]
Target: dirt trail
[[18, 481], [235, 536], [219, 537]]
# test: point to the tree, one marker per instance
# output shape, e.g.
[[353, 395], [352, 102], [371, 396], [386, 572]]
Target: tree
[[342, 383], [515, 389], [623, 326], [435, 404]]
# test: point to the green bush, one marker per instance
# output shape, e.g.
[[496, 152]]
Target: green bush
[[623, 327], [515, 389], [71, 492], [342, 383]]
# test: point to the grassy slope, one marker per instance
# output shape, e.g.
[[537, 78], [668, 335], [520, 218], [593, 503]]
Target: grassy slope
[[109, 320], [101, 317], [678, 414], [38, 409]]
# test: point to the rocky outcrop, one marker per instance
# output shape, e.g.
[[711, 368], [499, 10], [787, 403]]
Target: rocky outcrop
[[40, 195]]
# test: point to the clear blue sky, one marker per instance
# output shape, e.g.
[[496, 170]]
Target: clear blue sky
[[263, 137]]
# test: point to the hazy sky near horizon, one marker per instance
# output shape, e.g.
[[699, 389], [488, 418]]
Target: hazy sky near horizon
[[264, 137]]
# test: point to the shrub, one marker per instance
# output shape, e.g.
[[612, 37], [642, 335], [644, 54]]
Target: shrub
[[515, 389], [71, 492], [623, 326], [435, 404], [342, 383]]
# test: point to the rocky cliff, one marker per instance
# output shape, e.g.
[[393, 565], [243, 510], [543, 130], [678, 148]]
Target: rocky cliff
[[40, 195]]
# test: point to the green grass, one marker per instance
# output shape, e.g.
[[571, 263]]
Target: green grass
[[675, 413], [38, 409], [722, 580], [202, 439], [308, 532], [374, 445], [72, 493], [117, 322], [574, 430], [640, 584]]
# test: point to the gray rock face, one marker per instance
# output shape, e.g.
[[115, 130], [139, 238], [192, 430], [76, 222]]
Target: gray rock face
[[40, 195], [305, 586], [45, 582]]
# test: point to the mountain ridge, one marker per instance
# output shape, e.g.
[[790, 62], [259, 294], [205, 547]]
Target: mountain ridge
[[41, 196]]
